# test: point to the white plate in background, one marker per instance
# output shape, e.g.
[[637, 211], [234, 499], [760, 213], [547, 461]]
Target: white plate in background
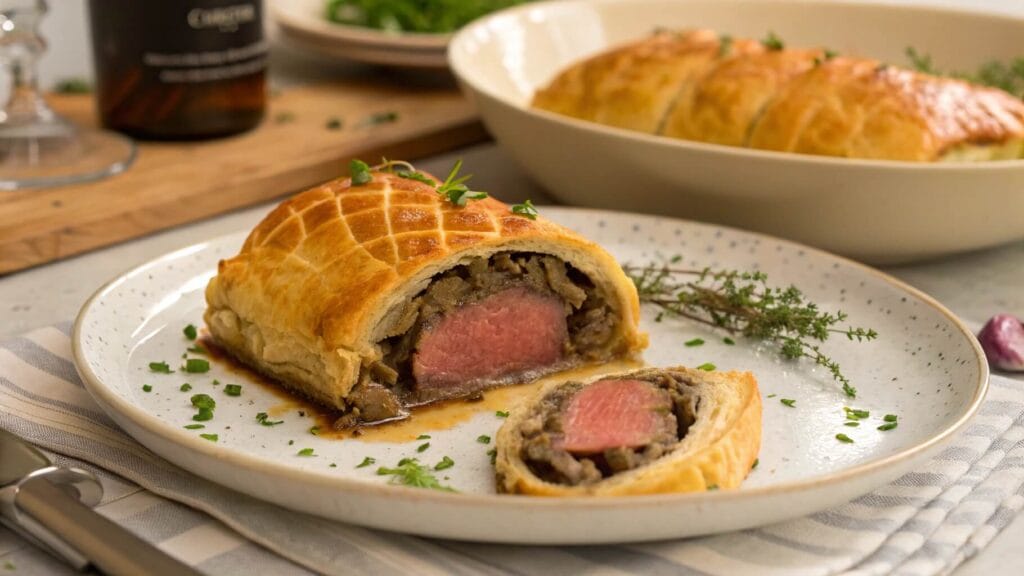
[[925, 366]]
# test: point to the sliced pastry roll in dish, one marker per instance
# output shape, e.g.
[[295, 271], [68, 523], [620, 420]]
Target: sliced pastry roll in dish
[[701, 86], [374, 297], [647, 431]]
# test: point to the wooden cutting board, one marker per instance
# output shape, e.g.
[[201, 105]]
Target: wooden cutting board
[[174, 183]]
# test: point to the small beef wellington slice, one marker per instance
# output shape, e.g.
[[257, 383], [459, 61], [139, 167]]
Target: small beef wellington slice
[[643, 432], [372, 298]]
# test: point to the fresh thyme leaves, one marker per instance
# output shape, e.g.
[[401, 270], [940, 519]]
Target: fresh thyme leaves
[[204, 405], [305, 452], [890, 418], [197, 365], [444, 464], [773, 42], [423, 437], [423, 447], [409, 472], [854, 414], [707, 367], [728, 341], [233, 390], [852, 424], [844, 438], [360, 172], [694, 342], [890, 422], [265, 420], [724, 45], [788, 402], [744, 303], [197, 349], [194, 426], [160, 367], [203, 414], [210, 437], [756, 462], [526, 209], [483, 439], [147, 388], [190, 332], [366, 462], [72, 86], [501, 414], [1005, 76]]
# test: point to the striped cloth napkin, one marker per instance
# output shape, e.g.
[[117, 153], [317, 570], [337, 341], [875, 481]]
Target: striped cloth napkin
[[927, 522]]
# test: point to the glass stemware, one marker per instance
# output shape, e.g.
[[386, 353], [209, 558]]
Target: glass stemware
[[37, 146]]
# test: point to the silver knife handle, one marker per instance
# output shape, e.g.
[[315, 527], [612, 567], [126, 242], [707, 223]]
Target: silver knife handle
[[109, 547]]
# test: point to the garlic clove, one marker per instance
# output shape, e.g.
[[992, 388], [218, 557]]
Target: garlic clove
[[1002, 339]]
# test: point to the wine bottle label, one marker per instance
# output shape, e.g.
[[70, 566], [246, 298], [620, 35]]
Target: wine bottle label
[[181, 42]]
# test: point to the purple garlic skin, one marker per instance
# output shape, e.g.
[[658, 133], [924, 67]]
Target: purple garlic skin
[[1002, 339]]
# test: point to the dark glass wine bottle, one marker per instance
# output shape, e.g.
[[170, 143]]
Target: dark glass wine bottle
[[179, 69]]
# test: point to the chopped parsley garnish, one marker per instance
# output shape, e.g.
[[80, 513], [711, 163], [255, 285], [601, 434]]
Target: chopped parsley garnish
[[195, 426], [888, 426], [147, 388], [773, 42], [333, 465], [771, 396], [314, 430], [423, 437], [210, 437], [501, 414], [197, 366], [306, 452], [203, 401], [707, 367], [852, 424], [197, 349], [695, 342], [844, 438], [264, 419], [444, 464], [890, 418], [190, 332], [410, 472], [423, 447], [728, 341], [756, 462], [379, 118], [360, 172], [185, 387], [483, 439], [526, 209], [854, 414], [724, 45], [493, 453], [290, 442], [216, 382], [203, 415], [160, 367], [788, 402], [366, 462], [233, 390], [335, 123]]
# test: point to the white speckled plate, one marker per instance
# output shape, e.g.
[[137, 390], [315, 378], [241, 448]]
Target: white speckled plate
[[925, 366]]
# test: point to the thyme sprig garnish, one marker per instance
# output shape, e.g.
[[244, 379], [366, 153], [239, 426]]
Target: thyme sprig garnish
[[744, 303], [1007, 76], [410, 472]]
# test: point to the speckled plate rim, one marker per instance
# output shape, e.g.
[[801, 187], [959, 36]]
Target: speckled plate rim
[[109, 400], [461, 64]]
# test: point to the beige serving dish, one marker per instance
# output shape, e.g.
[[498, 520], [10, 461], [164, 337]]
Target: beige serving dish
[[877, 211]]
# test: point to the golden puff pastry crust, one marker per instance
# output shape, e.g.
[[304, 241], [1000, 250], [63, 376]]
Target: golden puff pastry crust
[[718, 450], [323, 278], [698, 86]]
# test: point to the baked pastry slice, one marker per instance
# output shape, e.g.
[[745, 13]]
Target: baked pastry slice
[[647, 431], [700, 86], [371, 298]]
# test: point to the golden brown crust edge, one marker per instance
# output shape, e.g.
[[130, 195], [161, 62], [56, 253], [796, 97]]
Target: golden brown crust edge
[[722, 459], [308, 295], [788, 100]]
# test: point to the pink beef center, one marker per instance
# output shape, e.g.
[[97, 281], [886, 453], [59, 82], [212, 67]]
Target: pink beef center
[[504, 335], [612, 414]]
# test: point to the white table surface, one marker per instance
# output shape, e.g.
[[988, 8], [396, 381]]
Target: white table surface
[[975, 286]]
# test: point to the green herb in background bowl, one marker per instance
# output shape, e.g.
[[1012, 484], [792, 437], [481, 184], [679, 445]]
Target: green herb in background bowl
[[422, 16]]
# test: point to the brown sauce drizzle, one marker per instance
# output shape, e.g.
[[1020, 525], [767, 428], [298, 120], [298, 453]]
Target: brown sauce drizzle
[[423, 419]]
